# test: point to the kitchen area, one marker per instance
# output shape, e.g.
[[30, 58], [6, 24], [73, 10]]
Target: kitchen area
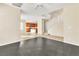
[[36, 24]]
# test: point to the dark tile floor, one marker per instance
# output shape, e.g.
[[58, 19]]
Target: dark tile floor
[[40, 47]]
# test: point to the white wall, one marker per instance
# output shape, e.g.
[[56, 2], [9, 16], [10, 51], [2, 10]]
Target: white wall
[[30, 18], [40, 26], [9, 24], [55, 26], [71, 24]]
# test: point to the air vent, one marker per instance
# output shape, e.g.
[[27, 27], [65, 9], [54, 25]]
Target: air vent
[[17, 4]]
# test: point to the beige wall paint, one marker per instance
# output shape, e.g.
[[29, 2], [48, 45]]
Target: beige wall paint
[[55, 26], [9, 24], [71, 24]]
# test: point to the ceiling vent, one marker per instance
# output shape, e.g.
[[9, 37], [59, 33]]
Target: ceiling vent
[[17, 4]]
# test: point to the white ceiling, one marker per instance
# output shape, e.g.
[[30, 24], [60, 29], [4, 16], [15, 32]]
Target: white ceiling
[[40, 8]]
